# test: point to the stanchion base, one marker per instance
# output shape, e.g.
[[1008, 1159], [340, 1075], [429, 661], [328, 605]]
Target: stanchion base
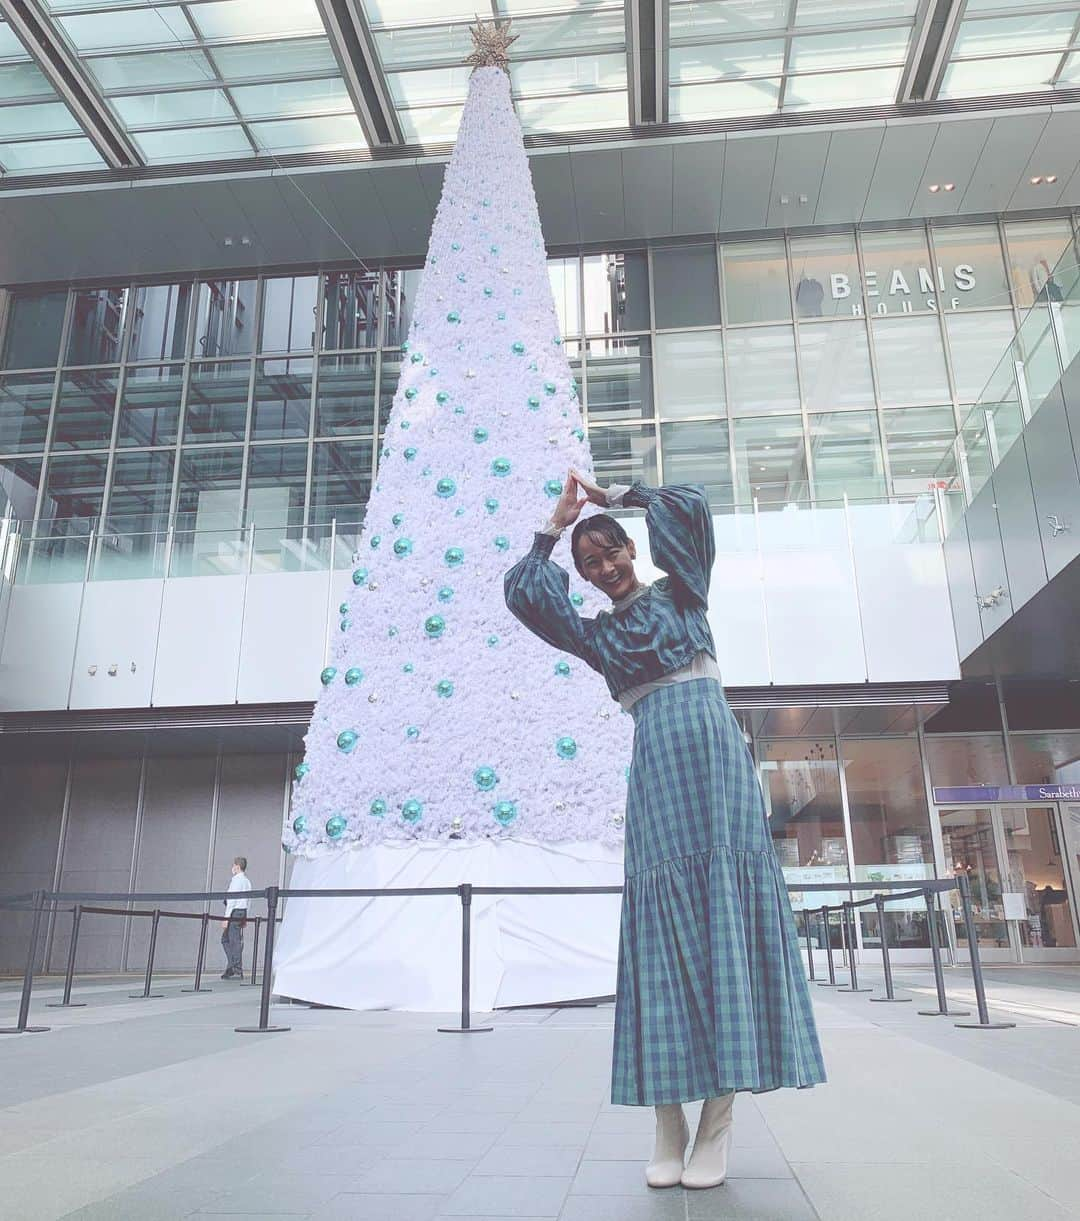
[[260, 1029], [24, 1029], [829, 985], [890, 1000], [465, 1029], [145, 996], [986, 1025], [944, 1012], [196, 989], [66, 1005], [854, 989]]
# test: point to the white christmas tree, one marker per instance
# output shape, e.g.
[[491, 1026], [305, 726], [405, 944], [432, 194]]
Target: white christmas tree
[[440, 716]]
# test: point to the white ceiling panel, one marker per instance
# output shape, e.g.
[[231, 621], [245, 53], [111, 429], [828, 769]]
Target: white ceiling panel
[[849, 166], [800, 167], [899, 170], [748, 173], [648, 197], [697, 184], [598, 193], [953, 159], [1004, 155]]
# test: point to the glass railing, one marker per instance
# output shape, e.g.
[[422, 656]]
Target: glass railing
[[1045, 345]]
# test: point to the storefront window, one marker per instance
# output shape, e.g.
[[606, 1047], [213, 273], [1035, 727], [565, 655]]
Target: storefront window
[[910, 362], [564, 275], [756, 282], [210, 489], [400, 301], [835, 364], [150, 405], [25, 399], [351, 311], [616, 293], [85, 409], [1046, 758], [97, 326], [282, 404], [340, 481], [919, 445], [826, 276], [967, 760], [225, 318], [277, 479], [624, 455], [140, 492], [846, 456], [346, 399], [697, 452], [1034, 247], [898, 275], [217, 402], [619, 379], [74, 486], [976, 344], [972, 269], [1036, 870], [159, 319], [288, 317], [32, 335], [967, 837], [770, 461], [690, 374], [761, 370], [685, 287]]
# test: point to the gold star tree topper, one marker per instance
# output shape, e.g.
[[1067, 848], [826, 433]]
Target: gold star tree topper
[[491, 42]]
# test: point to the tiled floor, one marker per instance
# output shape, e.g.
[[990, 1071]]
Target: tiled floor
[[155, 1110]]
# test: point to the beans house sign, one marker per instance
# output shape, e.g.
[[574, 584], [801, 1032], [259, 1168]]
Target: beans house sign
[[904, 290]]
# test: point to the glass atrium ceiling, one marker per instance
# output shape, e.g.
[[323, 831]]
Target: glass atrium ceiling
[[161, 82]]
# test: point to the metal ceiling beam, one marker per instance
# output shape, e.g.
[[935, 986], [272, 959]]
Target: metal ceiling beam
[[932, 46], [647, 60], [64, 72], [354, 46]]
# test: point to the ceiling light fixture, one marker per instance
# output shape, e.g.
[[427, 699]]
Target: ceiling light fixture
[[933, 188], [1037, 180], [1051, 177], [950, 186]]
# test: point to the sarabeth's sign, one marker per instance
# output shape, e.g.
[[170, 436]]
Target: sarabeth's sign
[[904, 290]]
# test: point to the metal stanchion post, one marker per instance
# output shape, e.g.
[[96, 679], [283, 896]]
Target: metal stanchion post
[[28, 973], [828, 950], [809, 943], [984, 1022], [879, 903], [466, 1027], [204, 928], [69, 975], [254, 950], [264, 1026], [146, 994], [943, 1009], [847, 918]]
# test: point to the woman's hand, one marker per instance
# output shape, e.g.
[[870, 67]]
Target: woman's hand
[[593, 491], [569, 504]]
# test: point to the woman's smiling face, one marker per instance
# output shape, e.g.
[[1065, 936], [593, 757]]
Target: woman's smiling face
[[607, 564]]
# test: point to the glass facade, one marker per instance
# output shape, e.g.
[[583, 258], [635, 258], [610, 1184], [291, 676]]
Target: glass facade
[[787, 370]]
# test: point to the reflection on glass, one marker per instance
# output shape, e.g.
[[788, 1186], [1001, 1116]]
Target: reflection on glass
[[282, 404], [829, 90], [217, 401], [970, 257], [967, 838], [1036, 870], [340, 480], [910, 362], [724, 99], [346, 397], [690, 373], [575, 113], [84, 409], [277, 481], [32, 332], [825, 271], [619, 379], [616, 293], [74, 486], [1034, 248], [899, 274], [718, 60], [97, 326], [846, 456], [770, 461], [150, 405], [225, 317], [835, 362], [976, 342], [761, 370], [624, 455], [288, 318], [1045, 758], [350, 312], [209, 499], [389, 376], [565, 278], [685, 287], [968, 759], [19, 479], [400, 301], [159, 318], [918, 441], [25, 399], [697, 452], [133, 539], [756, 282]]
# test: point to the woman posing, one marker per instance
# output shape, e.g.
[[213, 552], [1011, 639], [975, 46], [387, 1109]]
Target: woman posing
[[711, 997]]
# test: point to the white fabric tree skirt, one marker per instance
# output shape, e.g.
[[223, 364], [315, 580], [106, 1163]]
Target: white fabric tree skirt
[[390, 953]]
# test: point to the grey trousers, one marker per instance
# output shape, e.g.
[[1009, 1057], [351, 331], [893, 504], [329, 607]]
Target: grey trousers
[[232, 941]]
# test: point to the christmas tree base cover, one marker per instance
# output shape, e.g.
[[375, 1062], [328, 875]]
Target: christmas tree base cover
[[405, 953]]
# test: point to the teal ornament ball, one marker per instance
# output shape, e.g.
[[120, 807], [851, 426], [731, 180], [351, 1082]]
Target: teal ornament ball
[[412, 810], [549, 387], [410, 453], [444, 688], [445, 594], [577, 599], [453, 316], [534, 403], [459, 410], [406, 424], [391, 632], [480, 435], [562, 669], [386, 451], [445, 488], [353, 675], [328, 675], [459, 512], [412, 733], [454, 557], [411, 393], [442, 398], [518, 348], [501, 315], [491, 504], [346, 624], [343, 609], [492, 641], [398, 518], [461, 277], [301, 770], [434, 626], [505, 812], [502, 543], [565, 748], [375, 541], [406, 345], [359, 576], [485, 779], [579, 433], [553, 487], [402, 547], [454, 246], [488, 292], [416, 358], [299, 824], [501, 467], [407, 668], [425, 472], [377, 808], [335, 826], [493, 249], [346, 741]]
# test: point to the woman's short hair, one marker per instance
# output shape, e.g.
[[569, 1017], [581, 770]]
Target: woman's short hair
[[601, 526]]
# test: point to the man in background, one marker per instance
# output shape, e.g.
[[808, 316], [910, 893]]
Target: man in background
[[232, 936]]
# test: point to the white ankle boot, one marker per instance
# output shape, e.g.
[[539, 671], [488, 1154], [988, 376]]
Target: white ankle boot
[[707, 1166], [672, 1136]]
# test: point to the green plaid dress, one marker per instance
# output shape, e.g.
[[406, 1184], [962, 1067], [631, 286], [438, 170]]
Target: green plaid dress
[[711, 994]]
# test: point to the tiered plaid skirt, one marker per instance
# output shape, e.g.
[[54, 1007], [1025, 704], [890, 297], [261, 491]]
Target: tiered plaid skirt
[[712, 994]]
